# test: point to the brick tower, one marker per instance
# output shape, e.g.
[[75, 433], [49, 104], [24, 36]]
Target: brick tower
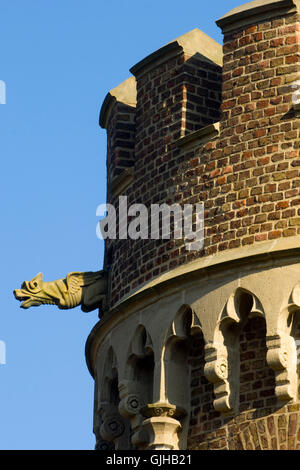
[[198, 349]]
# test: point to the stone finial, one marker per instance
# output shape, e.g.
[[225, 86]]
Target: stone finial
[[86, 289]]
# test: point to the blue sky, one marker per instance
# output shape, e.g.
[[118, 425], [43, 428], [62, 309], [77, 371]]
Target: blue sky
[[58, 60]]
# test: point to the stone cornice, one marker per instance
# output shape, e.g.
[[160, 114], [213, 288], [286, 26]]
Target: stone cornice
[[253, 12], [200, 136], [264, 254], [192, 43]]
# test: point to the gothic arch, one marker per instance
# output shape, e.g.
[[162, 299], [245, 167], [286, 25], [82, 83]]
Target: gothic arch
[[175, 364], [175, 355], [140, 364], [136, 387], [109, 377], [222, 356]]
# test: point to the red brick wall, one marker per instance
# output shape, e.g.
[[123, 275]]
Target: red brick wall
[[248, 178], [173, 99], [257, 381], [120, 141], [259, 133]]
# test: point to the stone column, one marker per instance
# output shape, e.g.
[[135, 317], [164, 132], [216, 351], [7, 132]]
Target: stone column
[[162, 425]]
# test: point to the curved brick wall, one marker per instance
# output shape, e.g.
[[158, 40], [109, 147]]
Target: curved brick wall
[[247, 177]]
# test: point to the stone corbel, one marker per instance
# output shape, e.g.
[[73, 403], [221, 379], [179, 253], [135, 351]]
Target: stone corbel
[[113, 426], [282, 351], [101, 444], [162, 425], [218, 356], [130, 407], [216, 371], [282, 358]]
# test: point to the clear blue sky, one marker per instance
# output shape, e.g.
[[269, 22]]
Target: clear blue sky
[[58, 59]]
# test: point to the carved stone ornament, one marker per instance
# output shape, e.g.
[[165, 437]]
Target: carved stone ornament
[[282, 358], [104, 445], [162, 409], [130, 406], [216, 371], [162, 425], [86, 289], [282, 350], [112, 427], [101, 444]]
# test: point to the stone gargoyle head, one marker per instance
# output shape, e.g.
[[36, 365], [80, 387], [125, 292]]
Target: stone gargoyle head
[[32, 293], [88, 289]]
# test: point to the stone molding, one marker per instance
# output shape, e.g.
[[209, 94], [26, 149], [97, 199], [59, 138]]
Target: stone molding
[[254, 12], [191, 43], [124, 93], [202, 136], [267, 254], [266, 250], [162, 425]]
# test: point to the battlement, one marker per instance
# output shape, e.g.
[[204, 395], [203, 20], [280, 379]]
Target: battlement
[[256, 12], [191, 43], [201, 122]]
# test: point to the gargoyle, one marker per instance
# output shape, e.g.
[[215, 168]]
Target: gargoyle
[[86, 289]]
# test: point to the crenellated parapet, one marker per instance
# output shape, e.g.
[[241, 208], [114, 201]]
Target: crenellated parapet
[[215, 125]]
